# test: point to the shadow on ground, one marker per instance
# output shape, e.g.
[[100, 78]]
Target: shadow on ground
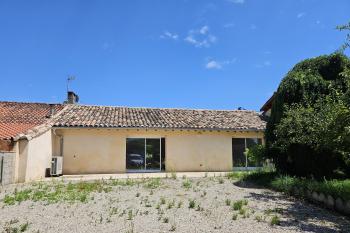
[[299, 213]]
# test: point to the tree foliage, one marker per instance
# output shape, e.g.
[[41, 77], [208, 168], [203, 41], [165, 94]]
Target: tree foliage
[[308, 132]]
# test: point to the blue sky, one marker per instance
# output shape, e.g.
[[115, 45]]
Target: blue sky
[[209, 54]]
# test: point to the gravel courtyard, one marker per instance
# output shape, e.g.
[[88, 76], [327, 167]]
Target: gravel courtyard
[[174, 204]]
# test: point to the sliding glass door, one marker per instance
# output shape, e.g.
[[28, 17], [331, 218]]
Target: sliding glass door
[[145, 154], [239, 152]]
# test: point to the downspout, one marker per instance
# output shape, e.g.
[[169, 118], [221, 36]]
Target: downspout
[[61, 142]]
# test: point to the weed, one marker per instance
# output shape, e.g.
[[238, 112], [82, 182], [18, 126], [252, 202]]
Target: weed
[[221, 180], [199, 208], [165, 220], [228, 202], [172, 228], [137, 194], [259, 218], [113, 210], [275, 220], [187, 184], [171, 204], [130, 215], [23, 227], [184, 177], [173, 175], [153, 183], [192, 204], [243, 211], [234, 216], [179, 204], [237, 205], [162, 201]]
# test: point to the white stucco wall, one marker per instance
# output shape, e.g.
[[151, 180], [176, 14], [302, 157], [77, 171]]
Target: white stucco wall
[[34, 157]]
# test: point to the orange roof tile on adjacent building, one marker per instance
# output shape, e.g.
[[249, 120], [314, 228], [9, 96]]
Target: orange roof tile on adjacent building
[[17, 117]]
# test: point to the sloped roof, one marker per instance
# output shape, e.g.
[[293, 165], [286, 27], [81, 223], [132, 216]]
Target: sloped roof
[[17, 117], [126, 117]]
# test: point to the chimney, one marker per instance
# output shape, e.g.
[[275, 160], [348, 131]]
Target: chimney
[[72, 98], [52, 111]]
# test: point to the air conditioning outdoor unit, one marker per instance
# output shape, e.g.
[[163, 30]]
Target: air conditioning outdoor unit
[[56, 166]]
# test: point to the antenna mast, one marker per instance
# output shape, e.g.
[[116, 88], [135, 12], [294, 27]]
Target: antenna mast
[[70, 78]]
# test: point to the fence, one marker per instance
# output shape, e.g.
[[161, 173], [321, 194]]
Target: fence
[[7, 167]]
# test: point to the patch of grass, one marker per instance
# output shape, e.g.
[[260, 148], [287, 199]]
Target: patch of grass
[[228, 202], [191, 203], [275, 220], [275, 210], [153, 183], [57, 191], [187, 184], [286, 184], [236, 175], [237, 205], [221, 180]]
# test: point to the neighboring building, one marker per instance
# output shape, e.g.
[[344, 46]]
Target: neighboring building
[[266, 108], [101, 139], [16, 119]]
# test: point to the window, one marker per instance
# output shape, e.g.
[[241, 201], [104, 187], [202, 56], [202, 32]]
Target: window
[[239, 146], [146, 154]]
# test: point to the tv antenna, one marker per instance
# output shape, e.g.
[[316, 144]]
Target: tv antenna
[[69, 79]]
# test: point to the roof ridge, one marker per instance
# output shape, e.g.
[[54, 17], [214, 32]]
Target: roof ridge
[[18, 102], [188, 109]]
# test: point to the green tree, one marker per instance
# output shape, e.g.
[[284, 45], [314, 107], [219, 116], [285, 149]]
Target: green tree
[[308, 131]]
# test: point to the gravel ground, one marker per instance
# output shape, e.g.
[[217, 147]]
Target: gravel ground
[[136, 208]]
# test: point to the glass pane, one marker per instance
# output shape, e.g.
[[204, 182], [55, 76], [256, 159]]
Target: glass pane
[[253, 161], [135, 153], [253, 141], [238, 148], [153, 154], [163, 154]]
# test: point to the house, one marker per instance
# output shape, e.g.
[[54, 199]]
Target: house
[[266, 108], [104, 139], [16, 119]]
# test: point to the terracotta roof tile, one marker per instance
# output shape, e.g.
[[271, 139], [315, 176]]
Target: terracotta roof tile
[[16, 117], [125, 117]]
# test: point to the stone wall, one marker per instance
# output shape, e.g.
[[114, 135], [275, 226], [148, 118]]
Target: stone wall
[[8, 167]]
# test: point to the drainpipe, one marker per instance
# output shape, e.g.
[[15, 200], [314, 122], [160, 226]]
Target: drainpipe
[[61, 142]]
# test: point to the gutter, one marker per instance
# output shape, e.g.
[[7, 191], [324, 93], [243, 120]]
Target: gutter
[[157, 128]]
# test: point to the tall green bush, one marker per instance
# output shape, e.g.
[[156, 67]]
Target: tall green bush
[[308, 133]]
